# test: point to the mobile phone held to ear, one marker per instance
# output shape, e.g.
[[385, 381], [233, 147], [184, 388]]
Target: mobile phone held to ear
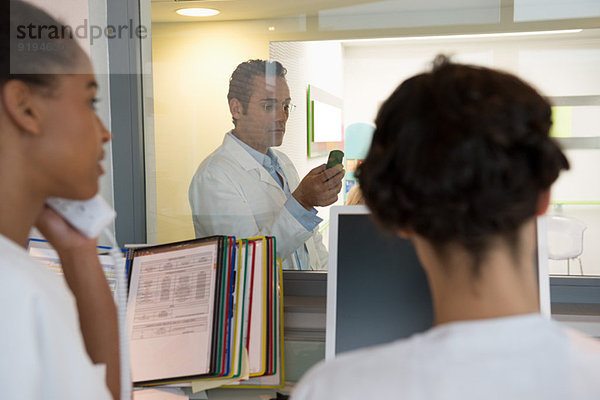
[[335, 157], [90, 217]]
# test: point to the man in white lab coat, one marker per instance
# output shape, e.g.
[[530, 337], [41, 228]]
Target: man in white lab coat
[[246, 189]]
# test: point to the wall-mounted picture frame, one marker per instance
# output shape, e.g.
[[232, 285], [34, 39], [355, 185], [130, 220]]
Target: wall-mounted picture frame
[[325, 123]]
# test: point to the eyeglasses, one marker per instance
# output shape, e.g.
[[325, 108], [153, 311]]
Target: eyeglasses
[[271, 107]]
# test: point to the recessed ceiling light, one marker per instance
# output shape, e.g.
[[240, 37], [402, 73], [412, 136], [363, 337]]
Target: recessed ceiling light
[[197, 12], [271, 28]]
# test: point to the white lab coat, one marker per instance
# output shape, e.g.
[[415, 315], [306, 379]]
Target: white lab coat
[[232, 194]]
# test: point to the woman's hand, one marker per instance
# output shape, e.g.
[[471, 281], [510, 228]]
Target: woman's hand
[[95, 304], [62, 236]]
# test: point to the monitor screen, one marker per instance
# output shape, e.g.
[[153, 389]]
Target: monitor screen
[[377, 291]]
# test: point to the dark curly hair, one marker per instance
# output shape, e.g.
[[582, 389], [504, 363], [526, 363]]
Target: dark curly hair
[[460, 154], [242, 80]]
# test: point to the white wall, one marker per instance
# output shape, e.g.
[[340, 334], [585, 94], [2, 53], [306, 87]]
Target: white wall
[[319, 64], [558, 65], [373, 70], [192, 64], [564, 65]]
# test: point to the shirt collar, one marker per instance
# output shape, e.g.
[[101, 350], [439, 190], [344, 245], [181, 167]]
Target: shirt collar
[[268, 160]]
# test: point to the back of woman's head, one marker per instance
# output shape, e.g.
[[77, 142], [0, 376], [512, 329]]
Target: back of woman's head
[[34, 46], [460, 154]]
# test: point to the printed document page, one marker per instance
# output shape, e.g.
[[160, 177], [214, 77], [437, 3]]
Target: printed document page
[[170, 312], [49, 257]]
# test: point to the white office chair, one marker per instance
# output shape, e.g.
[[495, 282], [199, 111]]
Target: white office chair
[[565, 240]]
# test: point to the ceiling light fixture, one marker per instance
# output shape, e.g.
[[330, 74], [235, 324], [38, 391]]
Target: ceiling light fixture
[[470, 36], [197, 12]]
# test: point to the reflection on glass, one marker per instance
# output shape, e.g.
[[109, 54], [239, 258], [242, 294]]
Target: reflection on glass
[[246, 188], [563, 67], [576, 200], [573, 231], [193, 61], [412, 13], [575, 121], [544, 10]]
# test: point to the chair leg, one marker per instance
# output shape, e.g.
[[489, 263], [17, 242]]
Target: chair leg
[[580, 266], [568, 266]]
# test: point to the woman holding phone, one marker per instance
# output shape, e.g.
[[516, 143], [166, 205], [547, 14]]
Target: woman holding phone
[[59, 337]]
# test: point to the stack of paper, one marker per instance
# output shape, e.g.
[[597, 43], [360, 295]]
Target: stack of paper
[[42, 251], [206, 312]]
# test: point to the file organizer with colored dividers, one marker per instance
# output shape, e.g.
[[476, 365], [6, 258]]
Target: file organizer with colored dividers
[[206, 313]]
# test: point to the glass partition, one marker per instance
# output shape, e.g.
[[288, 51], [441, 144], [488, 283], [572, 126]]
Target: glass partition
[[359, 51]]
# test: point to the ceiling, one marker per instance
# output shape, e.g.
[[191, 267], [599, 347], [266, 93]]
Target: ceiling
[[164, 10]]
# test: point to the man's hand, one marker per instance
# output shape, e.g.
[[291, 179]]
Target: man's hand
[[320, 187]]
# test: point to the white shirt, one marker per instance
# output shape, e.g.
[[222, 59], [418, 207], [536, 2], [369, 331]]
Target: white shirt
[[42, 353], [512, 358]]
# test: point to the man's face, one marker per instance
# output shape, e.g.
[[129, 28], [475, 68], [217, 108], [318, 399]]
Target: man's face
[[263, 124]]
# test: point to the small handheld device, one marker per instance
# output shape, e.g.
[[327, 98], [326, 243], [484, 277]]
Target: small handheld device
[[90, 217], [335, 157]]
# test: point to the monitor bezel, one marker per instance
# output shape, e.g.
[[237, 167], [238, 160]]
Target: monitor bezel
[[336, 211]]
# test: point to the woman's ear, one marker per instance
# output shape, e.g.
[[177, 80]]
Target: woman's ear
[[21, 106], [543, 202]]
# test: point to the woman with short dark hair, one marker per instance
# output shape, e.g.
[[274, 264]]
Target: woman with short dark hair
[[461, 163]]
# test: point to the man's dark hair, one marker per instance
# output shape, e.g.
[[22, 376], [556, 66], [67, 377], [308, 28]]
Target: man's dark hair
[[34, 59], [460, 154], [241, 83]]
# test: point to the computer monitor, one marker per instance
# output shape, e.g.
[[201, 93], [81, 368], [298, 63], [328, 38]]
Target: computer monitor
[[377, 291]]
